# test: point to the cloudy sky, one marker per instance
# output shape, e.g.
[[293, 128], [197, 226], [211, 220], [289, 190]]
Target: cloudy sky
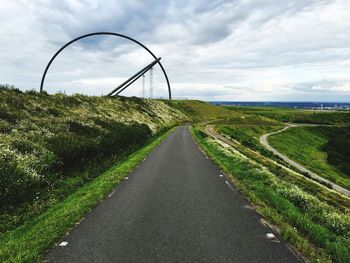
[[212, 50]]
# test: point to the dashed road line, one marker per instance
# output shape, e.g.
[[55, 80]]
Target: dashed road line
[[63, 244], [229, 185]]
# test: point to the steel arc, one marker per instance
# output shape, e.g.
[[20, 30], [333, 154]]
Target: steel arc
[[103, 33]]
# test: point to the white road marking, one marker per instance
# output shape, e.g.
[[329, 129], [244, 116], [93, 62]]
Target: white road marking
[[270, 236], [229, 185], [111, 194], [220, 175], [63, 244]]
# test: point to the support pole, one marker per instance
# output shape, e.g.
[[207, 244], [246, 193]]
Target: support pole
[[133, 76], [151, 83], [143, 86], [136, 78]]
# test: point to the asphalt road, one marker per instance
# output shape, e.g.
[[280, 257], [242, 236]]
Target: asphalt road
[[174, 207]]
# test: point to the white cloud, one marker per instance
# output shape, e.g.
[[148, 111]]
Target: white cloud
[[227, 50]]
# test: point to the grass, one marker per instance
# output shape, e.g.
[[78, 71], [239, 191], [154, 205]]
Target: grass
[[28, 242], [323, 150], [52, 144], [199, 111], [249, 136], [296, 115], [303, 219], [274, 165]]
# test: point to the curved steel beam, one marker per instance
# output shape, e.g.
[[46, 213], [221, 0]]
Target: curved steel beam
[[103, 33]]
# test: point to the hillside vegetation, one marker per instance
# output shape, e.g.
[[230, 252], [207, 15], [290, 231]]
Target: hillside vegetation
[[248, 135], [324, 150], [52, 144], [296, 115], [199, 112]]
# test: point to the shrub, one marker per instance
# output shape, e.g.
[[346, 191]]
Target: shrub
[[47, 139]]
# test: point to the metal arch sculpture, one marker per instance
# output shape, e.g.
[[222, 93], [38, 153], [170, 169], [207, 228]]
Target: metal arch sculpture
[[104, 33]]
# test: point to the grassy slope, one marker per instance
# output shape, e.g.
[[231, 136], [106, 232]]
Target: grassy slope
[[248, 132], [205, 113], [28, 242], [271, 163], [296, 115], [300, 216], [50, 145], [249, 136], [199, 111], [308, 146]]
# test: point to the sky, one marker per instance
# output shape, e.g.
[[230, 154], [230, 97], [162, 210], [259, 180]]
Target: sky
[[211, 50]]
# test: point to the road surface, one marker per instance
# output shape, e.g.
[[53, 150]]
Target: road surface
[[175, 207], [265, 143]]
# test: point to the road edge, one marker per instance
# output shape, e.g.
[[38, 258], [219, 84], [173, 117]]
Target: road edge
[[29, 242]]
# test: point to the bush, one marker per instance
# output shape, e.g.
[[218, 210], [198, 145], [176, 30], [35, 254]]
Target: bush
[[21, 176], [49, 140]]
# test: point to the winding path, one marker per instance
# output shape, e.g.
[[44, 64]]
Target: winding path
[[265, 143]]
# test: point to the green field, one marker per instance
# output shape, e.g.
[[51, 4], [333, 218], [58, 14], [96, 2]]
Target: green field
[[323, 150], [204, 113], [296, 115], [249, 135]]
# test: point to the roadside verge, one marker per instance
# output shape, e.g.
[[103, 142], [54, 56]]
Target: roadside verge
[[301, 218]]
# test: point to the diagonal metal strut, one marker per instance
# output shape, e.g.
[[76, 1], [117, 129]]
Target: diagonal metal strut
[[133, 78], [136, 78]]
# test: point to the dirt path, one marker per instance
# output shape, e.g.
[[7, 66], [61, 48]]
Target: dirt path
[[265, 143]]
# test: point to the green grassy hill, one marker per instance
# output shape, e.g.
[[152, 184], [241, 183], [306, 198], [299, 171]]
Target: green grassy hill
[[324, 150], [296, 115], [205, 113], [52, 144], [199, 111]]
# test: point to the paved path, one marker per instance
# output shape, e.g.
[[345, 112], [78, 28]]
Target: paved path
[[173, 208], [265, 143]]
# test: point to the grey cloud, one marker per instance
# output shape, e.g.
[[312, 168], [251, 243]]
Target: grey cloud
[[323, 85], [212, 46]]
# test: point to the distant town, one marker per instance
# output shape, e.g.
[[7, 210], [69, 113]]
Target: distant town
[[343, 106]]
